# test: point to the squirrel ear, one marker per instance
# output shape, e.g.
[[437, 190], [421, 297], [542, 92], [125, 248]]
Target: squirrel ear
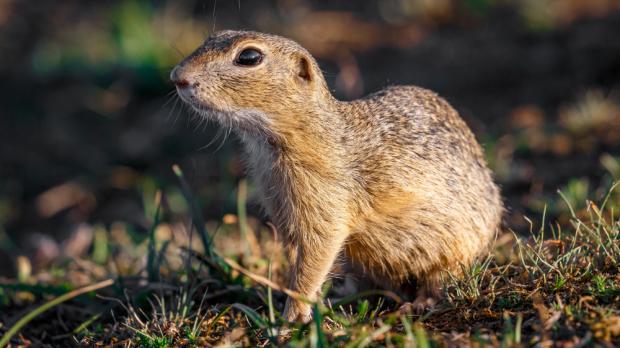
[[304, 68]]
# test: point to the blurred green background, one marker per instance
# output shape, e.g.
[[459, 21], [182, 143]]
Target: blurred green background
[[90, 125]]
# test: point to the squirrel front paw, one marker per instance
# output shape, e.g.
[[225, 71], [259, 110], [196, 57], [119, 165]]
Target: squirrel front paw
[[297, 312]]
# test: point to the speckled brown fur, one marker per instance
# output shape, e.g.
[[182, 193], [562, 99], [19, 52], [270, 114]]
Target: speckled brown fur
[[396, 181]]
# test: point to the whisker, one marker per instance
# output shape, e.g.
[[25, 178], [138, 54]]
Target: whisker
[[212, 141], [166, 68], [174, 111], [192, 115], [198, 119], [226, 133], [214, 17], [169, 97], [174, 47]]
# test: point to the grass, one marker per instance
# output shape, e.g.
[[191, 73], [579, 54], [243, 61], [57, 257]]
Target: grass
[[27, 318], [559, 285]]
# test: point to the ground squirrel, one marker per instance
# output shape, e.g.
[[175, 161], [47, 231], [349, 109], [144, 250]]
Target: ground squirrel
[[395, 182]]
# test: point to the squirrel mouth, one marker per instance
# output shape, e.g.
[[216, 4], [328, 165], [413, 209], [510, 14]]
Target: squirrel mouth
[[190, 98], [246, 120]]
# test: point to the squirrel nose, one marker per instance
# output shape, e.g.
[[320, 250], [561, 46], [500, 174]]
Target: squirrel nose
[[177, 79]]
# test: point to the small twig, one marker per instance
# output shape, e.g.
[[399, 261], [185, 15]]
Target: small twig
[[264, 281]]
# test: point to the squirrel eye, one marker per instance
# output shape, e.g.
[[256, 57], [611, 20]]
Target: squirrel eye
[[249, 57]]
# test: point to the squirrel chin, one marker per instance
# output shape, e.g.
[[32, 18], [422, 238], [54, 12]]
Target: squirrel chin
[[244, 122]]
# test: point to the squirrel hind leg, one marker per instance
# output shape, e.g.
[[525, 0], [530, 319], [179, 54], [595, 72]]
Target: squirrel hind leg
[[428, 293]]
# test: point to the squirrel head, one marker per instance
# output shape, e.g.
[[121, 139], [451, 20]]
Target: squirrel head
[[255, 82]]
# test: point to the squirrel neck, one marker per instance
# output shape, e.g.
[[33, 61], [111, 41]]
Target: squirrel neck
[[317, 138], [309, 137]]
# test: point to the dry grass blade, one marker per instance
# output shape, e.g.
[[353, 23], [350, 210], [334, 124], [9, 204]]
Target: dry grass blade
[[58, 300], [264, 281]]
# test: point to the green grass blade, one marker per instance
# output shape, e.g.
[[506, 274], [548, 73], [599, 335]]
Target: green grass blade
[[152, 270], [421, 337], [218, 316], [354, 297], [242, 192], [252, 315], [196, 213], [86, 323], [317, 317]]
